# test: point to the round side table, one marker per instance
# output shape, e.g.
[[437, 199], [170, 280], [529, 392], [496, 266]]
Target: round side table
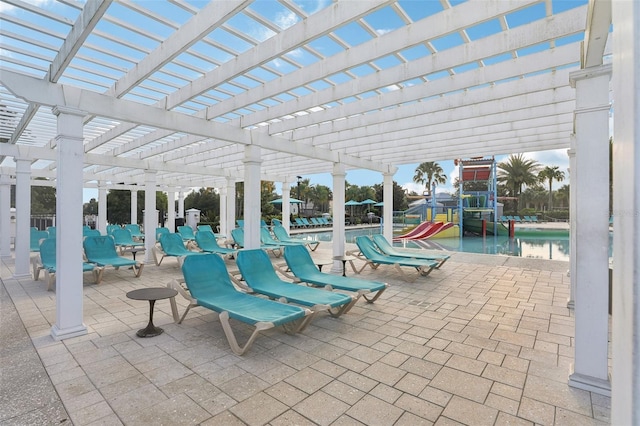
[[151, 294]]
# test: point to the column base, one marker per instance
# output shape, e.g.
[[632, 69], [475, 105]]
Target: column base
[[591, 384], [22, 276], [67, 333]]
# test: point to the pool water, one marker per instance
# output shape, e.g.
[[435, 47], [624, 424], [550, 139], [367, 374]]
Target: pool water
[[534, 245]]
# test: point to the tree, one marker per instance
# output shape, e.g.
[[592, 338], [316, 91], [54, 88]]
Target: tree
[[43, 199], [90, 208], [399, 196], [517, 172], [207, 200], [119, 205], [548, 175], [320, 197], [429, 172], [562, 195]]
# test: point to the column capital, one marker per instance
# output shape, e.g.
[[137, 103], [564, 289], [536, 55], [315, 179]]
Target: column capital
[[339, 169], [252, 154], [591, 72]]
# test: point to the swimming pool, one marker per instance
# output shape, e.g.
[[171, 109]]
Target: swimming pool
[[532, 244]]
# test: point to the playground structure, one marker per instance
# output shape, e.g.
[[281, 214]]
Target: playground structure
[[478, 208]]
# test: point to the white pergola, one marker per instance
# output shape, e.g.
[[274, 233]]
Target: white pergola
[[170, 95]]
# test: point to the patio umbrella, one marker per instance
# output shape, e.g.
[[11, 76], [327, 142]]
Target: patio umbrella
[[291, 201], [352, 203], [368, 203], [380, 204]]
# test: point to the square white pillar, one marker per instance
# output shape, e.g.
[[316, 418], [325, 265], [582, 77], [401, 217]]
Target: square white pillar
[[387, 204], [286, 205], [625, 409], [231, 207], [150, 214], [69, 275], [339, 174], [102, 207], [571, 303], [591, 187], [23, 218], [171, 210], [134, 207], [5, 217], [252, 208]]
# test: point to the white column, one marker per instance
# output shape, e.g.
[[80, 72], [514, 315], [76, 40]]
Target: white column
[[591, 187], [387, 207], [339, 174], [171, 210], [181, 203], [231, 207], [286, 205], [223, 210], [69, 276], [5, 217], [134, 207], [102, 208], [625, 409], [23, 217], [252, 211], [150, 214], [573, 250]]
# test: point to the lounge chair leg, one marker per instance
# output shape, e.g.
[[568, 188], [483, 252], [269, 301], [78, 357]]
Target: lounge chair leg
[[138, 270], [50, 280], [99, 275], [377, 294], [231, 337]]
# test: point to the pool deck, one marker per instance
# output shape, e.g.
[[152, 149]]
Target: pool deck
[[485, 340]]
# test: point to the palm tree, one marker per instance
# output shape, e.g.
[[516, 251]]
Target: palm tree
[[549, 174], [429, 172], [517, 172]]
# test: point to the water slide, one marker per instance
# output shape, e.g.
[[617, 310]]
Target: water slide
[[427, 231], [417, 230]]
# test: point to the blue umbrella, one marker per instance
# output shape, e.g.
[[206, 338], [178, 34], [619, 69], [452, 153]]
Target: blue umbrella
[[291, 201]]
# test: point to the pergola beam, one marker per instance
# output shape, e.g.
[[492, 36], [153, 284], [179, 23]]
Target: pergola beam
[[44, 93]]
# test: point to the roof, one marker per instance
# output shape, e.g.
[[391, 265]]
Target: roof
[[183, 87]]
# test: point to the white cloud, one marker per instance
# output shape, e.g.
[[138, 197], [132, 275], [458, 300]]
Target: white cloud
[[286, 19], [383, 31]]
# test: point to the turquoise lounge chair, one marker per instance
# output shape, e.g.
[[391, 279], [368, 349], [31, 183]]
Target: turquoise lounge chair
[[186, 233], [374, 258], [35, 237], [281, 234], [111, 228], [267, 240], [102, 251], [383, 245], [300, 223], [171, 245], [135, 230], [48, 263], [258, 273], [160, 231], [238, 237], [207, 241], [301, 264], [90, 233], [209, 285], [124, 242]]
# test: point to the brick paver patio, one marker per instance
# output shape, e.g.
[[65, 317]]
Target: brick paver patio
[[486, 340]]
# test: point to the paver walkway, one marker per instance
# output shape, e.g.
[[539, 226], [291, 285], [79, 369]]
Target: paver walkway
[[486, 340]]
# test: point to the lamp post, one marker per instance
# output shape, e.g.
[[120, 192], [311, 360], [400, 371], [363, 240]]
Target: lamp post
[[299, 205]]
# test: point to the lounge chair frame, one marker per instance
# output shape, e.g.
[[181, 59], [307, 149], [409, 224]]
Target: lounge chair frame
[[373, 258]]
